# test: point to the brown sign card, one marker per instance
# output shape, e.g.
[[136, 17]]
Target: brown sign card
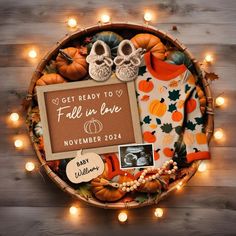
[[89, 115]]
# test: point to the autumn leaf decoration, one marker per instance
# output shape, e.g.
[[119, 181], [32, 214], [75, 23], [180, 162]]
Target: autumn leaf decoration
[[172, 107], [211, 76], [166, 128], [174, 95]]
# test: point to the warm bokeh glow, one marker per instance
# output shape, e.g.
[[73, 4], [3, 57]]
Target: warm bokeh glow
[[73, 210], [29, 166], [72, 22], [158, 212], [147, 16], [18, 143], [202, 167], [209, 58], [220, 101], [122, 217], [105, 18], [14, 117], [32, 53], [218, 134]]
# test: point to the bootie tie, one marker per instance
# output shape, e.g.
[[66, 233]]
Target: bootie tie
[[100, 61], [127, 61]]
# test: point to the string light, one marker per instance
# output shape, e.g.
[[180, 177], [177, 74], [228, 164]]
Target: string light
[[73, 210], [202, 167], [208, 58], [18, 143], [14, 117], [218, 134], [179, 186], [29, 166], [147, 16], [105, 18], [72, 22], [32, 53], [122, 217], [220, 101], [158, 212]]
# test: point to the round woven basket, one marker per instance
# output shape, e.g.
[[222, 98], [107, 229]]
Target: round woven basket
[[127, 28]]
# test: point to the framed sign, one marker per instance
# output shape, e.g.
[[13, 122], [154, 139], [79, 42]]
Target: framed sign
[[89, 115]]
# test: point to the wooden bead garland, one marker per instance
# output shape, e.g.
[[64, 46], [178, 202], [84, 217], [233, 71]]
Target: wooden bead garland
[[132, 185]]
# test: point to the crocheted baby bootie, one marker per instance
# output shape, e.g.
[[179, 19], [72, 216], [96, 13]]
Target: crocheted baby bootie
[[127, 61], [100, 61]]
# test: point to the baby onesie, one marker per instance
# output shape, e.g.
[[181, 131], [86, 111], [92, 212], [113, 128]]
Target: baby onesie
[[169, 106]]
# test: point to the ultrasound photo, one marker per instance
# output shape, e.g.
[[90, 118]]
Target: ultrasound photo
[[136, 156]]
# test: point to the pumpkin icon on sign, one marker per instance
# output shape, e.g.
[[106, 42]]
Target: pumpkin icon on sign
[[93, 126]]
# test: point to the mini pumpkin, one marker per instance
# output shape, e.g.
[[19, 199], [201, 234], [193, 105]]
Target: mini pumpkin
[[188, 138], [71, 64], [151, 43], [201, 138], [149, 137], [52, 78], [158, 108], [146, 86], [110, 38], [168, 152], [105, 192], [155, 185], [156, 154], [177, 116], [178, 58]]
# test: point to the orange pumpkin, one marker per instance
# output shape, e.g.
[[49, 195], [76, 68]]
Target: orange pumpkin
[[156, 154], [105, 192], [47, 79], [154, 185], [191, 105], [151, 43], [168, 152], [167, 139], [158, 108], [149, 137], [146, 85], [177, 116], [202, 99], [188, 138], [71, 64], [201, 138]]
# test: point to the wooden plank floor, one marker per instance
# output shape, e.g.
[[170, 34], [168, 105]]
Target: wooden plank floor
[[32, 204]]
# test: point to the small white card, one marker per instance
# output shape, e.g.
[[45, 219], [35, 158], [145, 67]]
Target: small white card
[[84, 167]]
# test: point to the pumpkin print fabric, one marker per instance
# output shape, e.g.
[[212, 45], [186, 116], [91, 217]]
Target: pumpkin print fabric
[[170, 107]]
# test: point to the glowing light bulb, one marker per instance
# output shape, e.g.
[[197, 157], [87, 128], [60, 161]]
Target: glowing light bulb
[[158, 212], [72, 22], [14, 117], [32, 53], [147, 16], [208, 58], [179, 186], [220, 101], [18, 143], [73, 210], [202, 167], [29, 166], [105, 18], [122, 217], [218, 134]]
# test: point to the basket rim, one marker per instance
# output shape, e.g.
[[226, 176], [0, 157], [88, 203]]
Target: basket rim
[[146, 29]]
